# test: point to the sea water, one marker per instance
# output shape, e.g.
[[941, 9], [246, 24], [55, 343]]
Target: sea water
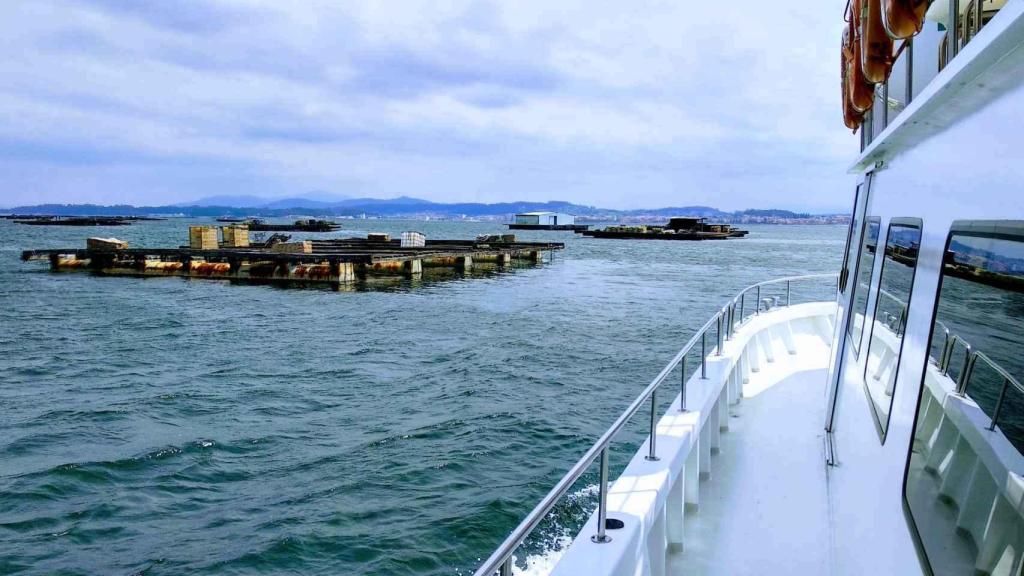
[[169, 426]]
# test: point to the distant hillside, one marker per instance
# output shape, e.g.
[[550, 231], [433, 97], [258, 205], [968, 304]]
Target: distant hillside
[[406, 207]]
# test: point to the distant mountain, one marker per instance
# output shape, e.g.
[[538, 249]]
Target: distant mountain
[[699, 211], [314, 199], [296, 203], [239, 201], [407, 207], [773, 214]]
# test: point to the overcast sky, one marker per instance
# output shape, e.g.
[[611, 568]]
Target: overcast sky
[[615, 104]]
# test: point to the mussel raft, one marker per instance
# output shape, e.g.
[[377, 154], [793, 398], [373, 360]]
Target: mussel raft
[[676, 229]]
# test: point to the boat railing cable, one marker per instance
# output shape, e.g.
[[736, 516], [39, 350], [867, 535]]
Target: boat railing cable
[[724, 322]]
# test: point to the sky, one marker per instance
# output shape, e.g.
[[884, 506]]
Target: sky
[[613, 104]]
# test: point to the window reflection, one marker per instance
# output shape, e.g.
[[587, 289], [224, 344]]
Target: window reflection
[[890, 320], [854, 225], [965, 473], [863, 285]]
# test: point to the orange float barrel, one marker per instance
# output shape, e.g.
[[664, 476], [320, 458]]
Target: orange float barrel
[[904, 18], [875, 43], [851, 117], [861, 92]]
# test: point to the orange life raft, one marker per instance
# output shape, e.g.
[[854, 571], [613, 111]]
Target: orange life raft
[[875, 42], [904, 18], [860, 92], [851, 117]]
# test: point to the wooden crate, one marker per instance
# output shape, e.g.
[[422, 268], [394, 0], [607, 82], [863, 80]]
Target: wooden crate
[[202, 237], [236, 236]]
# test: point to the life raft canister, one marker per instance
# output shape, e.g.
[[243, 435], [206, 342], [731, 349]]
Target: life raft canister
[[861, 92], [875, 43], [904, 18], [851, 117]]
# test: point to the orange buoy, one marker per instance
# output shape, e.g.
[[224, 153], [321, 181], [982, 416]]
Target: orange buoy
[[904, 18], [875, 43]]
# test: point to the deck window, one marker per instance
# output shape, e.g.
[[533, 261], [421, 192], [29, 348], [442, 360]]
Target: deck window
[[862, 287], [965, 471], [890, 319]]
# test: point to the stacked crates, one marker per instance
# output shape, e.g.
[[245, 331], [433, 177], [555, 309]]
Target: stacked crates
[[202, 237], [236, 236]]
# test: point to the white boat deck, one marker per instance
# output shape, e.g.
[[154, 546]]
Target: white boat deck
[[764, 510], [746, 458]]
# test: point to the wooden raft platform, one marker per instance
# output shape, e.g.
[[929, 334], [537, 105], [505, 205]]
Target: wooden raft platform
[[337, 261]]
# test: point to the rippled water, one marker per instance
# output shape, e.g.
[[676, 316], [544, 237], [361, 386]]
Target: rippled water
[[164, 426]]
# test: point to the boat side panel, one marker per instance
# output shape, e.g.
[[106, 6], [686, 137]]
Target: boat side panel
[[971, 170]]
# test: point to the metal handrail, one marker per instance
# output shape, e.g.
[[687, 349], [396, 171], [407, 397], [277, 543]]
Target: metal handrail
[[971, 358], [895, 323], [948, 346], [726, 323]]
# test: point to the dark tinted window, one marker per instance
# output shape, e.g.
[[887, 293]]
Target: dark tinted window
[[965, 472], [869, 245], [890, 319]]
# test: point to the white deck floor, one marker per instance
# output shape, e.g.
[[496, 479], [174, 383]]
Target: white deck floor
[[764, 510]]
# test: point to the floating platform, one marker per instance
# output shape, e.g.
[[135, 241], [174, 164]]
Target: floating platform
[[73, 221], [299, 226], [668, 235], [678, 228], [331, 262], [572, 227]]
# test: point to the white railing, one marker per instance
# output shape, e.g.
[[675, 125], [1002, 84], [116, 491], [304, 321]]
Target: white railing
[[725, 321]]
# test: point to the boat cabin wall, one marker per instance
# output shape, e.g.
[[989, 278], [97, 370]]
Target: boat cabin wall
[[973, 170]]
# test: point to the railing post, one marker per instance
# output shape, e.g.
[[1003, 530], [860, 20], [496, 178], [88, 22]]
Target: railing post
[[965, 371], [718, 350], [953, 30], [743, 300], [703, 355], [506, 567], [999, 404], [653, 444], [757, 301], [602, 502], [910, 72], [945, 350], [788, 293], [682, 387]]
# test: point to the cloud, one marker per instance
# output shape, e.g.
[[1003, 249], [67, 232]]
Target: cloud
[[645, 104]]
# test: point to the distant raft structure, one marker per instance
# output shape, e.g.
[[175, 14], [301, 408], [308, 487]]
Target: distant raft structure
[[546, 221], [335, 262], [682, 228], [306, 225], [50, 220]]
